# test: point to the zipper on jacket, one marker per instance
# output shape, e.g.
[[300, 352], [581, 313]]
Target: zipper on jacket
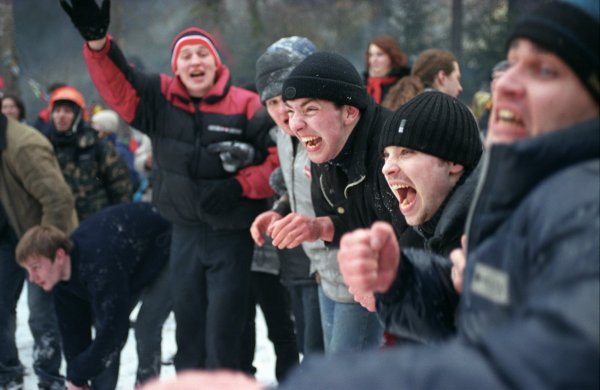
[[323, 191], [350, 185], [197, 140]]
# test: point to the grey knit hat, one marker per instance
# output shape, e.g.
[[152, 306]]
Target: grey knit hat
[[438, 124], [327, 76], [277, 63]]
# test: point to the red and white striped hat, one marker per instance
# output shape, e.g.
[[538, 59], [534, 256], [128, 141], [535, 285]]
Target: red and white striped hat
[[193, 36]]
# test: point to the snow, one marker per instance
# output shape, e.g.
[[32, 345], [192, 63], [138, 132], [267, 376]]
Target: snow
[[264, 358]]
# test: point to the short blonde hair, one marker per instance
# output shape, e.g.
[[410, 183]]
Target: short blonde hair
[[42, 241]]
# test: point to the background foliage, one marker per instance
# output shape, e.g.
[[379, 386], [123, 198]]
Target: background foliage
[[47, 48]]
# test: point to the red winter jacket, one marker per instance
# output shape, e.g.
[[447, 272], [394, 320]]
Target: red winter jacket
[[180, 130]]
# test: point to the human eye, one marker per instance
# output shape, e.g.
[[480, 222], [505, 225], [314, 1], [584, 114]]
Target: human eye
[[547, 71], [311, 109], [406, 152]]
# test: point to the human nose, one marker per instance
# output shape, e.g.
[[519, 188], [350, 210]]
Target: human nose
[[508, 83], [390, 167], [296, 122]]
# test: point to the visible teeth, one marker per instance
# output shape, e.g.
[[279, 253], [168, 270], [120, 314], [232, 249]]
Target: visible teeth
[[399, 186], [310, 141], [507, 115], [404, 203]]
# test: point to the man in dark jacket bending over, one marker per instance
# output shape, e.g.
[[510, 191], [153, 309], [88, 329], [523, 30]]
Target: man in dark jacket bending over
[[96, 276]]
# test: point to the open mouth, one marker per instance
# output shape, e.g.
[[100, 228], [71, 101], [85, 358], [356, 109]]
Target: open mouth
[[311, 143], [406, 195], [509, 117], [198, 74]]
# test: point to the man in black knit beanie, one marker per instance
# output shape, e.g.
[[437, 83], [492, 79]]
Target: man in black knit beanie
[[339, 125], [431, 149]]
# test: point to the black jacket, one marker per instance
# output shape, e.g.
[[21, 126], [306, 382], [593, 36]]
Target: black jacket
[[351, 190], [117, 253], [413, 307]]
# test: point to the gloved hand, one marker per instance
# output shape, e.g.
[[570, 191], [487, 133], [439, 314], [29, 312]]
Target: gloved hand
[[91, 21], [219, 196], [277, 183], [234, 155]]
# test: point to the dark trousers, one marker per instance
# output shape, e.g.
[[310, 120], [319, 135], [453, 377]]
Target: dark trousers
[[154, 311], [210, 284], [307, 315], [273, 298], [42, 322]]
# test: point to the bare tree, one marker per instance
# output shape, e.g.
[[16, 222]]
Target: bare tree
[[9, 70], [457, 28]]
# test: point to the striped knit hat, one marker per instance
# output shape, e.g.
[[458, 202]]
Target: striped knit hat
[[193, 36], [438, 124]]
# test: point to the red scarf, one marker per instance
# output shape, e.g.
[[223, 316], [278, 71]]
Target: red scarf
[[374, 85]]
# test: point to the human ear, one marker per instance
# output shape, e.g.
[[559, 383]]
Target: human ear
[[351, 114], [455, 168], [440, 77]]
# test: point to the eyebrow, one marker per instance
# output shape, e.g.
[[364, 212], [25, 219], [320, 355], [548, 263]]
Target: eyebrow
[[310, 100]]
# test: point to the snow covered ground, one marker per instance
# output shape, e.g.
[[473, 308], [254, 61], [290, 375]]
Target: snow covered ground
[[264, 358]]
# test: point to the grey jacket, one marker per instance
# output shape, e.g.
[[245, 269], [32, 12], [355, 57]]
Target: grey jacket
[[295, 166]]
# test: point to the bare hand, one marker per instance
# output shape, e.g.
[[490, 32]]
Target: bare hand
[[366, 300], [294, 229], [369, 258], [459, 260], [260, 225]]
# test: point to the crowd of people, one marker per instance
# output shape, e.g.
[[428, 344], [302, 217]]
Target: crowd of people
[[390, 239]]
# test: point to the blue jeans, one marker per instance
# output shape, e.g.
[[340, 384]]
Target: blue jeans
[[348, 327], [42, 322], [210, 285], [305, 305]]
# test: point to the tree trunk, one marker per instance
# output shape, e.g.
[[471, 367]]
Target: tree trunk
[[457, 28], [9, 69]]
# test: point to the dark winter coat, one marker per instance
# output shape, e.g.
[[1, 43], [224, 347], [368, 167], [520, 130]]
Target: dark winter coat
[[97, 174], [529, 313], [403, 310], [351, 189], [181, 129], [117, 253], [32, 188]]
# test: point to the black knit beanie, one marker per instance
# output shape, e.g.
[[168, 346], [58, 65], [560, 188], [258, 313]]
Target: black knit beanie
[[438, 124], [277, 62], [327, 76], [569, 32]]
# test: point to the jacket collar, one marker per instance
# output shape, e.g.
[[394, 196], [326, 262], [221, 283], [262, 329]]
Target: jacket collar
[[510, 171], [364, 134]]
